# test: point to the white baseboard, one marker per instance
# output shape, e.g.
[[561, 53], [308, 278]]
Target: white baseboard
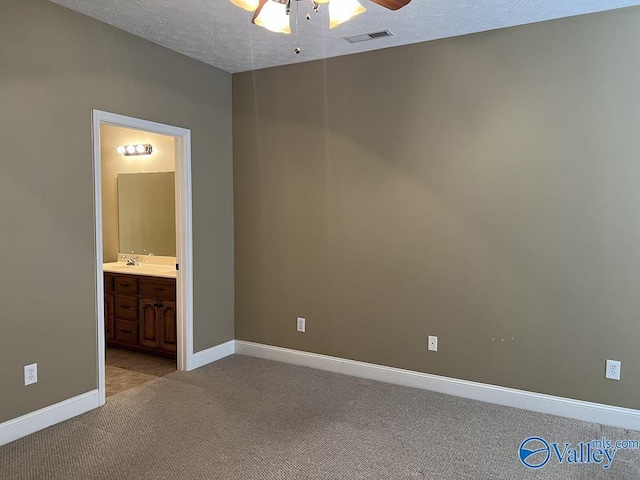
[[48, 416], [212, 354], [537, 402]]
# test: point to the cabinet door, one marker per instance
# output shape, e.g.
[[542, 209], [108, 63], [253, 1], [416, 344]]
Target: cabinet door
[[149, 323], [109, 316], [168, 333]]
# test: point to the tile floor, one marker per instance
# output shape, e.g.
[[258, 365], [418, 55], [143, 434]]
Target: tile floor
[[126, 369]]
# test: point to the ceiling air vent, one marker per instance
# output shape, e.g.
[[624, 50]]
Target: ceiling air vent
[[368, 36]]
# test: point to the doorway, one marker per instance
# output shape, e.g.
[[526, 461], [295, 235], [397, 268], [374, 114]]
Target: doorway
[[181, 145]]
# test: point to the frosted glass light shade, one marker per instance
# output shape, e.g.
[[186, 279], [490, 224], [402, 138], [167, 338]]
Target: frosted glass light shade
[[248, 5], [342, 10], [137, 149], [273, 17]]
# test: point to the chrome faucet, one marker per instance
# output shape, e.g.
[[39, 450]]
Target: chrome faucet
[[132, 260]]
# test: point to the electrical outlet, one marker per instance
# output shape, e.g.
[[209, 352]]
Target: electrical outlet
[[433, 343], [31, 374], [301, 325], [613, 370]]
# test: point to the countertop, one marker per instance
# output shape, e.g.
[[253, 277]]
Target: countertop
[[166, 271]]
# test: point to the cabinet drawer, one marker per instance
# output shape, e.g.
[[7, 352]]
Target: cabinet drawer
[[108, 283], [126, 332], [160, 289], [126, 284], [126, 307]]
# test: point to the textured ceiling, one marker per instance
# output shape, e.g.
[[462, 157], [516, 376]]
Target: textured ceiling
[[220, 34]]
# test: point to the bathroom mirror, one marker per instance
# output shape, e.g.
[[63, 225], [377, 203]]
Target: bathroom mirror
[[147, 213]]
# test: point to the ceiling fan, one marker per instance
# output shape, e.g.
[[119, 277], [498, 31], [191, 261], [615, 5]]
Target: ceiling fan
[[392, 4], [274, 14]]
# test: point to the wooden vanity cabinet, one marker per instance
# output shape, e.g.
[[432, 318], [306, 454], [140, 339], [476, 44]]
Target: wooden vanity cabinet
[[144, 313], [158, 315], [109, 307], [158, 325]]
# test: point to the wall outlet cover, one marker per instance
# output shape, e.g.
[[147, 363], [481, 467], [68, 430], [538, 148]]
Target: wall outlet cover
[[613, 370], [433, 343], [31, 374]]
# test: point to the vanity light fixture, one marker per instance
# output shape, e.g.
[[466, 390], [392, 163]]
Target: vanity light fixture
[[131, 150]]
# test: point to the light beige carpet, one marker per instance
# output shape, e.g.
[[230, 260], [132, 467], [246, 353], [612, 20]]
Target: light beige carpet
[[244, 418]]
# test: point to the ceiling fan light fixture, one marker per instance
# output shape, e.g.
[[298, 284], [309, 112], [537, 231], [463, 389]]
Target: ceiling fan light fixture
[[273, 16], [342, 10], [248, 5]]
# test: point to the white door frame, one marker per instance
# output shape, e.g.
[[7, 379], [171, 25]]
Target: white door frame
[[184, 241]]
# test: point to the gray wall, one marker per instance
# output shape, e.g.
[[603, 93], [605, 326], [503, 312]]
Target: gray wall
[[55, 67], [483, 189]]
